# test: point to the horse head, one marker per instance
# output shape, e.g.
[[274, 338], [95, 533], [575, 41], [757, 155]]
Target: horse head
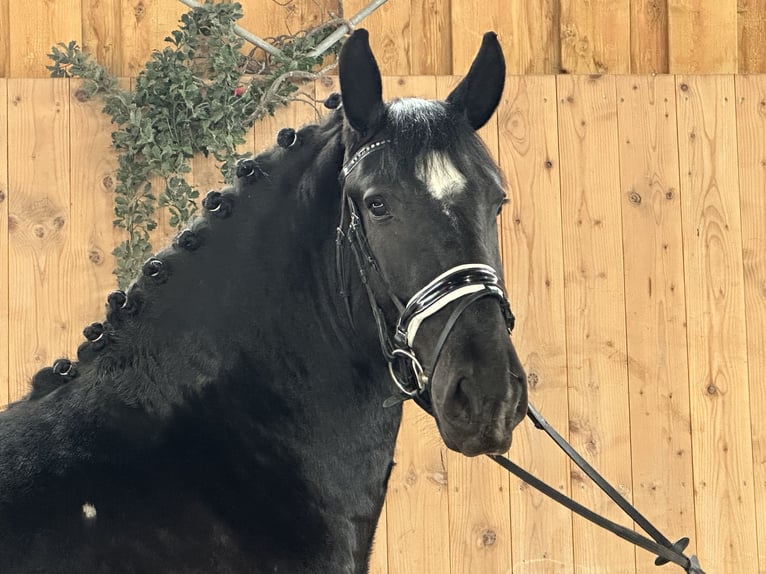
[[421, 200]]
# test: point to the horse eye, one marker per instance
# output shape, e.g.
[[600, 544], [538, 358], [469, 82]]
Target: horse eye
[[377, 207]]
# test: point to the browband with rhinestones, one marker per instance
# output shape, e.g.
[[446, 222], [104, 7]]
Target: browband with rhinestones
[[360, 155]]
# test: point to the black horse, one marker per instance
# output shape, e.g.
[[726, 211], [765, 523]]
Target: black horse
[[229, 414]]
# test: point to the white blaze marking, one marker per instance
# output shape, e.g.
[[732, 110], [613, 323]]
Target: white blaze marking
[[435, 170], [440, 176], [89, 511]]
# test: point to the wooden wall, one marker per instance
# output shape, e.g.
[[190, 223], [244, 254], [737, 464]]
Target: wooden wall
[[636, 260], [426, 37]]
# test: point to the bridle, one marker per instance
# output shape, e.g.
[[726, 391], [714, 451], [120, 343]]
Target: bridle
[[466, 284], [463, 285]]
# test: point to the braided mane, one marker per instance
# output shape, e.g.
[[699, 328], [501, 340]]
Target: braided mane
[[277, 183]]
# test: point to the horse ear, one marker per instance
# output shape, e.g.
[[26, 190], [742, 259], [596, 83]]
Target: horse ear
[[360, 84], [479, 93]]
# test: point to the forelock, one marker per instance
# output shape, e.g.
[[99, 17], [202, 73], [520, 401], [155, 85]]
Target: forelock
[[416, 124]]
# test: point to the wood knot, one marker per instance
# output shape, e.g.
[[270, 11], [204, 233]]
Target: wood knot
[[139, 10], [401, 81], [326, 81], [488, 538], [13, 223], [684, 87], [39, 231], [95, 256], [711, 389], [59, 221], [81, 95], [548, 164], [107, 182], [634, 197], [2, 196], [532, 380], [670, 194], [439, 478]]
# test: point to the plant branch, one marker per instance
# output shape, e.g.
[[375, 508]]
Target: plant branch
[[346, 27], [242, 33], [270, 96]]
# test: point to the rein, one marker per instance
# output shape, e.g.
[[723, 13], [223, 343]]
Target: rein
[[466, 284], [665, 550]]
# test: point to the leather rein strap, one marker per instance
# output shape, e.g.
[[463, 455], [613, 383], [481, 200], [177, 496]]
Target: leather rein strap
[[659, 545], [466, 284]]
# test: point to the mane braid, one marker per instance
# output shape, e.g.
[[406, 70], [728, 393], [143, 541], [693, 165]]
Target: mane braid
[[109, 346]]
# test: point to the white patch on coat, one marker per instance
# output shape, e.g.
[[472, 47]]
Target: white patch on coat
[[89, 511], [440, 176]]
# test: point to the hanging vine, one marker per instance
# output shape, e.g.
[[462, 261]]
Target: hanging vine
[[199, 95]]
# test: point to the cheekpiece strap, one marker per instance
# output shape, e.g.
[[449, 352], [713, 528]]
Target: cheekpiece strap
[[349, 166]]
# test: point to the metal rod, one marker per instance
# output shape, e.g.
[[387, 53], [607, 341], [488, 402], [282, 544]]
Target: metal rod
[[333, 38], [242, 33]]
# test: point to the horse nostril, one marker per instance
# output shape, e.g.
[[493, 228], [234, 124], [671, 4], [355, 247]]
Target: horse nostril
[[460, 401]]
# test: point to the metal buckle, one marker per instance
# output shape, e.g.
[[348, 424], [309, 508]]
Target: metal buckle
[[420, 377]]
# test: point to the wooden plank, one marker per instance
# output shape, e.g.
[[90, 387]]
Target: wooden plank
[[533, 45], [702, 36], [417, 507], [595, 36], [5, 277], [39, 224], [101, 32], [92, 235], [137, 21], [715, 313], [271, 19], [379, 557], [431, 37], [527, 29], [417, 504], [34, 28], [751, 136], [391, 32], [648, 37], [472, 19], [532, 251], [144, 24], [751, 19], [479, 511], [654, 307], [595, 302], [5, 35]]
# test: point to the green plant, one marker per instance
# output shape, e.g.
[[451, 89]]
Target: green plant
[[199, 95]]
